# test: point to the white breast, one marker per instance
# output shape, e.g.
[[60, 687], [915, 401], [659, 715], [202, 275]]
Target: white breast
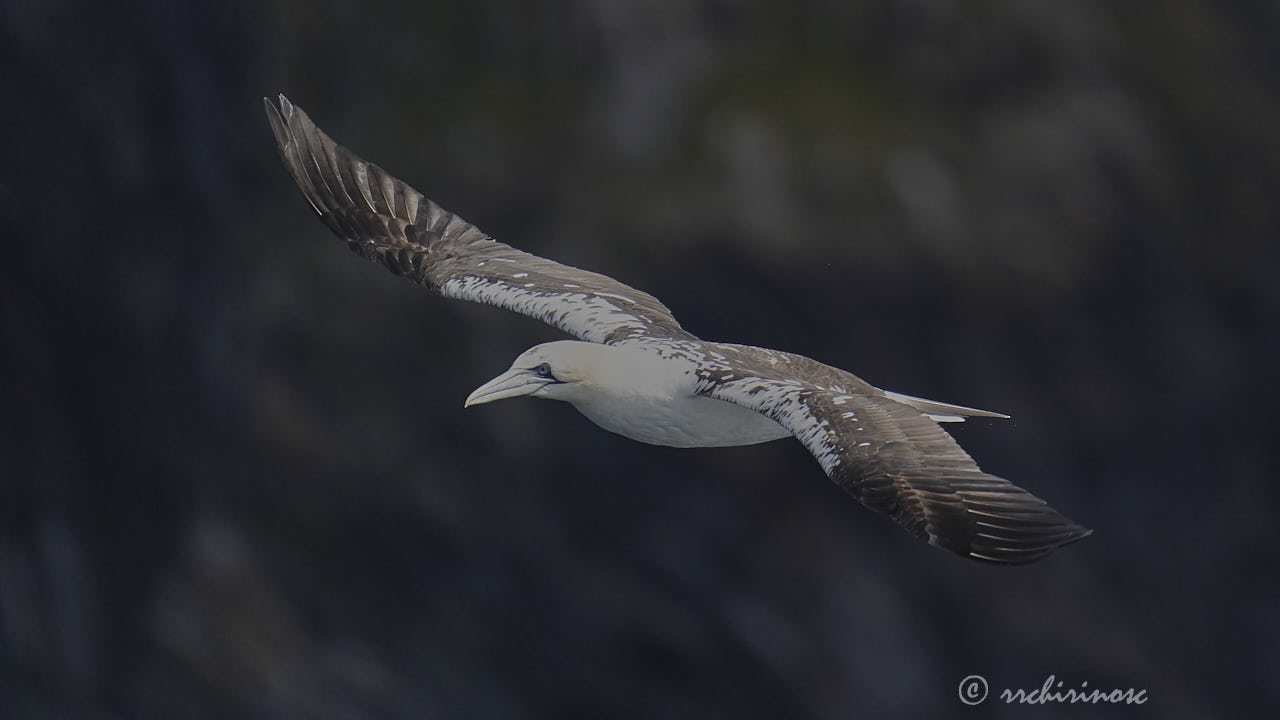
[[680, 421], [638, 392]]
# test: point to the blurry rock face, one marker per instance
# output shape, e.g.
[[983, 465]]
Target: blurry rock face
[[237, 479]]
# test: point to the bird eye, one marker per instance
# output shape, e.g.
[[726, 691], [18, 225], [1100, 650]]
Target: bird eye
[[543, 370]]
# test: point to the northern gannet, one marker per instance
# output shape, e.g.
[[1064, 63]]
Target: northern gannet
[[634, 371]]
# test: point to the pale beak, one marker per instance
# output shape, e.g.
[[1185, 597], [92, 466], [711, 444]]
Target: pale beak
[[512, 383]]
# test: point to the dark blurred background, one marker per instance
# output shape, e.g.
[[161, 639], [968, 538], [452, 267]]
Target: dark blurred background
[[237, 479]]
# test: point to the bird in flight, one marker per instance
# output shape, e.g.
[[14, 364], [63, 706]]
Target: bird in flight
[[634, 371]]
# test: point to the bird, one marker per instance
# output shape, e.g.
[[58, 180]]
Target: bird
[[633, 370]]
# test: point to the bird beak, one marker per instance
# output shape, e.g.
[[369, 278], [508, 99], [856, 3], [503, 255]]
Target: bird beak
[[512, 383]]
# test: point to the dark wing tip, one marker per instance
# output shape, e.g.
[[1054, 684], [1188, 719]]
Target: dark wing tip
[[283, 110], [279, 126], [974, 515], [357, 200], [278, 115], [300, 143], [1013, 538]]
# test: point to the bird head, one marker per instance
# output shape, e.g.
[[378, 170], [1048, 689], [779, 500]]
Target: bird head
[[552, 370]]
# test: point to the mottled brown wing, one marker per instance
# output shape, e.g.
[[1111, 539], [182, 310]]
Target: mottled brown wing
[[898, 462], [383, 219]]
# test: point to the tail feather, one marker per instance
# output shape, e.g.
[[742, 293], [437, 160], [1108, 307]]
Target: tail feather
[[940, 411]]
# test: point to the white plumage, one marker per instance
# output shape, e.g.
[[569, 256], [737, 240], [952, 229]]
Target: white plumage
[[632, 391]]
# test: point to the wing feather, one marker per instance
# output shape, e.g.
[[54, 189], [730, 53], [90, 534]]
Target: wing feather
[[898, 462], [385, 220]]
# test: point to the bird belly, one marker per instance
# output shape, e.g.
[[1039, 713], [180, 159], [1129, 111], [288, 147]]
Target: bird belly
[[689, 421]]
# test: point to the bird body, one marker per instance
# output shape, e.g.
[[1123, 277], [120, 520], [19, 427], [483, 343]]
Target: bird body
[[635, 371], [636, 392]]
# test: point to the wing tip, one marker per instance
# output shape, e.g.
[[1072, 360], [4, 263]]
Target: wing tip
[[288, 122], [1021, 551], [279, 126], [281, 106]]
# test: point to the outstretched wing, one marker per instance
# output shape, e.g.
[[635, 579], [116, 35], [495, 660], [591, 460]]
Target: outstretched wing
[[383, 219], [898, 462]]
